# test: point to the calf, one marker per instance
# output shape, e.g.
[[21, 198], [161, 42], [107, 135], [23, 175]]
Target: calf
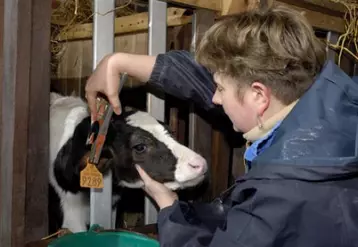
[[134, 137]]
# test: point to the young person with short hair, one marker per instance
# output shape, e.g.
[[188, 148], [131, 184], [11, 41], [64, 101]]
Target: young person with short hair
[[298, 113]]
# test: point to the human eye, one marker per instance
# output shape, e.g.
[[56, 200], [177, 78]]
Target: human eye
[[219, 88]]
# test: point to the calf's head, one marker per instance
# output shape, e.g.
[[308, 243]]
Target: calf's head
[[136, 137]]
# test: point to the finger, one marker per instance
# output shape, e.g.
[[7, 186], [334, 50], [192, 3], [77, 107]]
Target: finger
[[145, 177], [92, 107], [114, 101], [91, 100]]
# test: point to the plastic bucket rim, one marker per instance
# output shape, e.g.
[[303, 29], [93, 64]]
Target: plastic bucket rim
[[135, 236]]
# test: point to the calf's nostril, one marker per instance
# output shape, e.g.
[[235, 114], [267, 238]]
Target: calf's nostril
[[194, 166], [198, 163]]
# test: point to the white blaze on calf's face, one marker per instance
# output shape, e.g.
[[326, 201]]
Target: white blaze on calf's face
[[190, 169]]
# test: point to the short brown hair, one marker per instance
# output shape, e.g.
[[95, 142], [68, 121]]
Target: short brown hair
[[276, 47]]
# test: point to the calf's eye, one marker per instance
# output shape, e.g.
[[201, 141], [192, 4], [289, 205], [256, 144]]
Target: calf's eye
[[140, 148]]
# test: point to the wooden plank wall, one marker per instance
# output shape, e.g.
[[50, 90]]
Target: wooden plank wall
[[76, 63], [1, 76], [36, 221], [24, 140]]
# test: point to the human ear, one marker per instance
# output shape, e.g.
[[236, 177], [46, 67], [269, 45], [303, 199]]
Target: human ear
[[262, 96]]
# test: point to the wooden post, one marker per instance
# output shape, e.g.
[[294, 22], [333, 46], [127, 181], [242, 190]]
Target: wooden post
[[200, 131], [24, 120]]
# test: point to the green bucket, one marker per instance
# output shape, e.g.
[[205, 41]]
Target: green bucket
[[104, 239]]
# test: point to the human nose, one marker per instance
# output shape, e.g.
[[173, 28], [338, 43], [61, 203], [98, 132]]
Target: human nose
[[216, 98]]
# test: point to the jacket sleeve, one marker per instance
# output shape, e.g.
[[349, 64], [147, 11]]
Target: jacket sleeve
[[178, 74], [253, 222]]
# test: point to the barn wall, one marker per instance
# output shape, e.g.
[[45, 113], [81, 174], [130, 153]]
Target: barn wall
[[75, 64], [25, 30]]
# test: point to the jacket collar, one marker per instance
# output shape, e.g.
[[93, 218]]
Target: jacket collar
[[257, 133]]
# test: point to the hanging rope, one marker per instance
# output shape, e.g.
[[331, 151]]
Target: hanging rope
[[70, 13], [349, 38]]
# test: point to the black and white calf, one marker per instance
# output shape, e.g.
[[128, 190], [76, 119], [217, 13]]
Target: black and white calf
[[134, 137]]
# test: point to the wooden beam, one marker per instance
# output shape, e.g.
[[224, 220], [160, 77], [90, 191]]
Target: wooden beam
[[320, 20], [317, 19], [14, 89], [139, 22], [203, 4], [1, 76], [24, 121], [220, 168], [128, 24], [233, 6], [323, 6], [36, 220], [229, 7]]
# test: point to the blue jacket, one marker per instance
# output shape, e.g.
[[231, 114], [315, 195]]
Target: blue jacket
[[301, 191]]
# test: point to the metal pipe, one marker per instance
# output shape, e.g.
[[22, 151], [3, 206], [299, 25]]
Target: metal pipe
[[103, 44], [155, 105]]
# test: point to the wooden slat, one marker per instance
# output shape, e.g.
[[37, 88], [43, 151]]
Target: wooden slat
[[128, 24], [14, 88], [316, 18], [220, 163], [24, 160], [1, 74], [322, 21], [204, 4], [36, 221], [203, 138], [233, 6], [139, 22], [76, 63], [324, 6]]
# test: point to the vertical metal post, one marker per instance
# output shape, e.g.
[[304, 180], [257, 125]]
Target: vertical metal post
[[155, 106], [103, 44], [332, 37], [192, 115]]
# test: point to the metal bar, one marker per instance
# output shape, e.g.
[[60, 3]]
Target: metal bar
[[103, 44], [332, 37], [155, 106], [192, 115]]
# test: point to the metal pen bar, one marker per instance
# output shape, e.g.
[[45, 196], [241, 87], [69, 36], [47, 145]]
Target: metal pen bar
[[103, 44], [332, 37], [155, 105], [192, 115]]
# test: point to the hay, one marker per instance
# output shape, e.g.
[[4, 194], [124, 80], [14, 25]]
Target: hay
[[350, 37], [70, 13]]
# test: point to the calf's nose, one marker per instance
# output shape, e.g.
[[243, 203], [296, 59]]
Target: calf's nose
[[198, 164]]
